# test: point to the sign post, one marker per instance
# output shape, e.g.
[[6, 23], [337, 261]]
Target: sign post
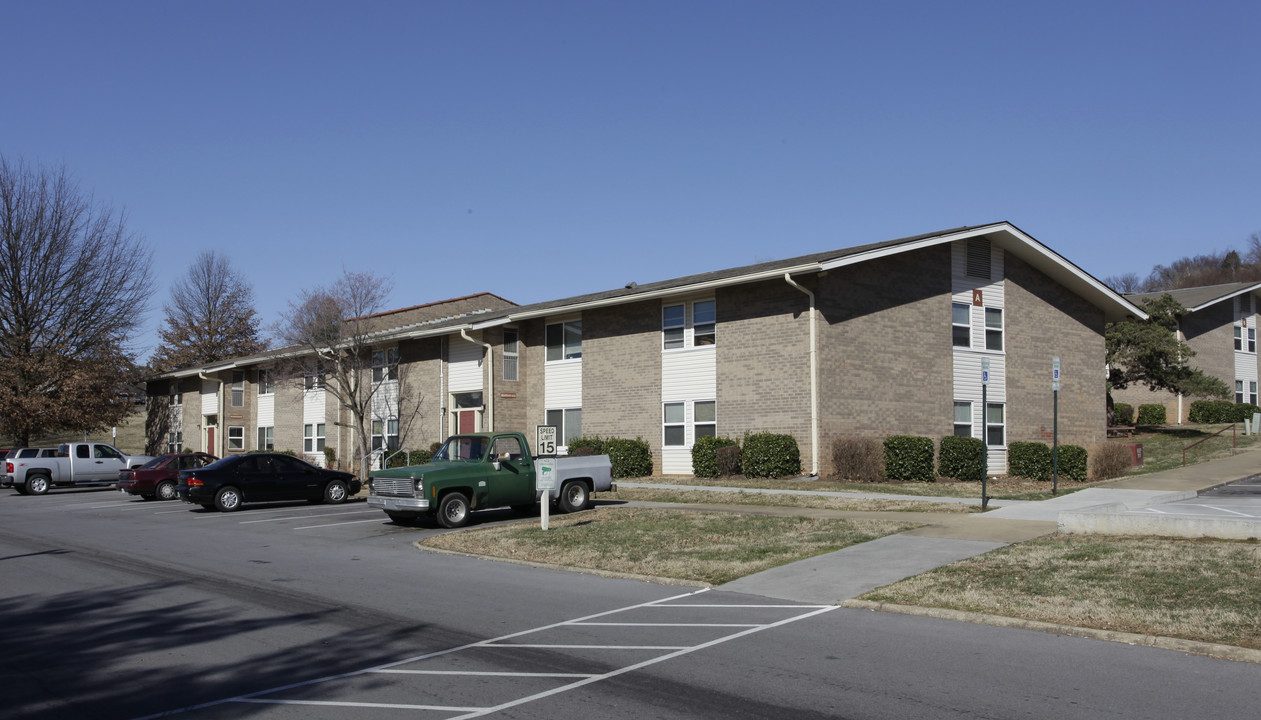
[[985, 435], [1055, 426], [544, 481]]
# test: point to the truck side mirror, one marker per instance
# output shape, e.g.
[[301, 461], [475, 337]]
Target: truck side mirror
[[495, 464]]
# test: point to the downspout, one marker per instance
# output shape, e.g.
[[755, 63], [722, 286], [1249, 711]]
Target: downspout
[[442, 387], [1178, 334], [814, 379], [490, 382]]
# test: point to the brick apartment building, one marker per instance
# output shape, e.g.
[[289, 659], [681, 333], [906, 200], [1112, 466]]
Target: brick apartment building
[[876, 340], [1220, 325]]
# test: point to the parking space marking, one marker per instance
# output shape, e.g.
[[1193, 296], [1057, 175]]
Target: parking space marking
[[306, 517], [670, 652], [349, 522]]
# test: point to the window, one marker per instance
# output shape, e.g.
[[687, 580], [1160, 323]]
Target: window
[[384, 365], [174, 441], [1252, 340], [313, 437], [963, 419], [1252, 391], [385, 434], [673, 319], [238, 388], [266, 383], [1238, 338], [993, 329], [705, 422], [568, 423], [995, 436], [511, 354], [1239, 391], [105, 452], [506, 448], [703, 323], [267, 438], [236, 437], [961, 323], [313, 380], [564, 341], [674, 432], [176, 398]]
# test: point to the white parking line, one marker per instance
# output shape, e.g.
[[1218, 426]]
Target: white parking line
[[352, 522], [580, 679], [304, 517]]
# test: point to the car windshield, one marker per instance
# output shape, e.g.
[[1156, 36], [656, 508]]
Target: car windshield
[[462, 448], [156, 462]]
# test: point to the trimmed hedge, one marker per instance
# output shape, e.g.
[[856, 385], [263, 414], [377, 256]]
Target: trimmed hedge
[[1074, 462], [962, 458], [909, 458], [1221, 411], [630, 458], [1122, 414], [770, 455], [410, 458], [705, 456], [1029, 460], [1153, 414], [594, 443]]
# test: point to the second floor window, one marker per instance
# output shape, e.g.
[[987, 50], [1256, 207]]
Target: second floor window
[[511, 354], [993, 329], [238, 388], [266, 384], [961, 324], [385, 365], [564, 341]]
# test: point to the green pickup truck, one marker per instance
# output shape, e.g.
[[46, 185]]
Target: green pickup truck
[[477, 471]]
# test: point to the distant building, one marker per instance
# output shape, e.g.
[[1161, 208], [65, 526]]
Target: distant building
[[875, 340], [1220, 325]]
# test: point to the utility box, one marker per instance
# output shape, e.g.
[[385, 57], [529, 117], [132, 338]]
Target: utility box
[[1136, 454]]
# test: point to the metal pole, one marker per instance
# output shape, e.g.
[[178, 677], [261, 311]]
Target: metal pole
[[1055, 444], [985, 447]]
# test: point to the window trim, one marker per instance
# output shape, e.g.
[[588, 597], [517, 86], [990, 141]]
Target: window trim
[[1238, 392], [236, 437], [313, 437], [1000, 331], [954, 324], [971, 419], [562, 428], [175, 396], [667, 424], [669, 326], [1002, 425], [566, 354], [385, 365], [266, 383], [513, 355], [267, 437], [238, 388]]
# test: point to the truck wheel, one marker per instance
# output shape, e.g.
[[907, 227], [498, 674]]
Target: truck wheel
[[36, 484], [228, 499], [165, 491], [335, 492], [453, 510], [574, 496]]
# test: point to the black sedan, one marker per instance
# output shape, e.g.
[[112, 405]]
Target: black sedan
[[262, 477]]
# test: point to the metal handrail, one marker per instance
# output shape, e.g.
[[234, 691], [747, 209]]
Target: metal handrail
[[385, 463], [1234, 442]]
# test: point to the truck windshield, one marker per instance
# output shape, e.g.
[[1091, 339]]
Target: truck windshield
[[462, 449]]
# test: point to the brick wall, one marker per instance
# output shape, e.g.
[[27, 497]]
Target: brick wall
[[1210, 333], [1044, 320], [886, 358], [621, 373]]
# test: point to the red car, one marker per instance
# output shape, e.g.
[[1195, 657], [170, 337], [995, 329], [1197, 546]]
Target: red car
[[156, 479]]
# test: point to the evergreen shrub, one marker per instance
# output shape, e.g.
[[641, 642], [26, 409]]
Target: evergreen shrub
[[908, 458], [770, 455], [705, 456], [962, 458], [1029, 460], [1122, 414]]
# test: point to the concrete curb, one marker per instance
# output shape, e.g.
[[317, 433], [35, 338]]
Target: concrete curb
[[1193, 647], [568, 568]]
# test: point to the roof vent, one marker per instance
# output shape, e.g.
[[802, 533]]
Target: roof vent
[[632, 285]]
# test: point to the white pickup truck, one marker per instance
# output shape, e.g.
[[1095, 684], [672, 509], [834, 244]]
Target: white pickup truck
[[76, 464]]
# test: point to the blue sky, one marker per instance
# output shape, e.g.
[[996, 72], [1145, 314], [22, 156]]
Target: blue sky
[[541, 149]]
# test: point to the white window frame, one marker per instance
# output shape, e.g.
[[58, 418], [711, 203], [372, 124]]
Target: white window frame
[[697, 423], [175, 398], [266, 383], [267, 437], [1239, 392], [236, 437], [1001, 425], [564, 350], [512, 354], [238, 388], [954, 323], [958, 424], [1252, 340], [668, 424], [175, 441], [1238, 338], [712, 325], [999, 331], [313, 437], [680, 329], [1252, 392], [564, 430], [673, 330], [384, 365]]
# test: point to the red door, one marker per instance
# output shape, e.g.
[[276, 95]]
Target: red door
[[210, 441], [468, 420]]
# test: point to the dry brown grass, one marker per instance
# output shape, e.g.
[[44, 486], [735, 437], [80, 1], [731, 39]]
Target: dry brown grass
[[1204, 590], [686, 545]]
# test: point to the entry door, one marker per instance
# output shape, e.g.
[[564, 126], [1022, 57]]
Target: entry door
[[210, 441], [467, 421]]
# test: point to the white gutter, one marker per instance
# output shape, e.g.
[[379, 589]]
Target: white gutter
[[490, 372], [814, 379]]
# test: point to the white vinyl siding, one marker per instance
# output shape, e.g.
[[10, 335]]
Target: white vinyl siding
[[465, 366], [314, 409], [967, 359], [688, 377], [562, 378], [1246, 375], [209, 397]]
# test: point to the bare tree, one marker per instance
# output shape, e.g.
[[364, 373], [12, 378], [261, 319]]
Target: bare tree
[[210, 317], [331, 328], [74, 284], [1126, 283]]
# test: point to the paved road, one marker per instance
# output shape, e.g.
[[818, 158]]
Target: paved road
[[116, 608]]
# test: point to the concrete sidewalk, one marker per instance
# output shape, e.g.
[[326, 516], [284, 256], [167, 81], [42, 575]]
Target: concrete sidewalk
[[948, 538]]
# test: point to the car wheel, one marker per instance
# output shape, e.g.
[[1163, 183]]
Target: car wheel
[[36, 485], [228, 499], [453, 510], [574, 496], [335, 492], [166, 490]]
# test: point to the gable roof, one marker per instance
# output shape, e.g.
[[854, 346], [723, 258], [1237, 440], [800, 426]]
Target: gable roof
[[1198, 298]]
